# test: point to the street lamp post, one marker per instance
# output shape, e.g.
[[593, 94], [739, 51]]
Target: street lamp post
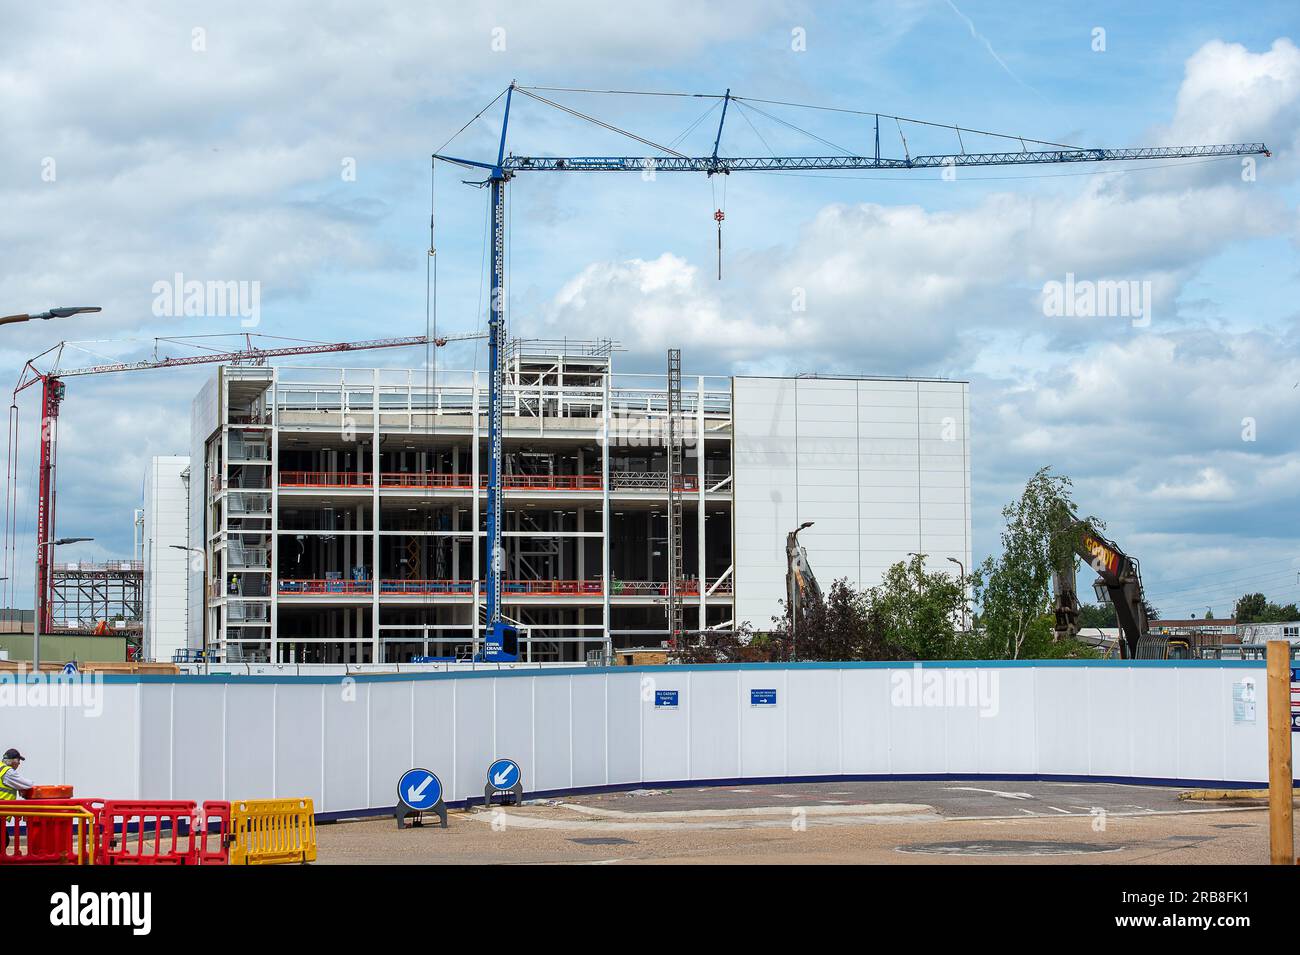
[[962, 569], [65, 312], [204, 604], [38, 623]]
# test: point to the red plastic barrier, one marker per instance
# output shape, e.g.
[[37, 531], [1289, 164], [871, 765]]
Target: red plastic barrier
[[55, 840], [50, 838], [159, 832], [214, 847]]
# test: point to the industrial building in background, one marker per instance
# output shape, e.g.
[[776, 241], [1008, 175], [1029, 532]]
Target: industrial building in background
[[343, 510], [166, 556]]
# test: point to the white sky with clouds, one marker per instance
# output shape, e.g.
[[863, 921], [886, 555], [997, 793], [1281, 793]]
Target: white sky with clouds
[[225, 164]]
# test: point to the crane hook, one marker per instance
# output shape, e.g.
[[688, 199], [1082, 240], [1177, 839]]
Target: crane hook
[[719, 216]]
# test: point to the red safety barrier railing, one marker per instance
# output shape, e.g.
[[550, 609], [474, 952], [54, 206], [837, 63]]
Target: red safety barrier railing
[[135, 832], [48, 832], [510, 482], [391, 587], [430, 481], [148, 833], [325, 586], [212, 825], [551, 482], [324, 479], [398, 587], [551, 587]]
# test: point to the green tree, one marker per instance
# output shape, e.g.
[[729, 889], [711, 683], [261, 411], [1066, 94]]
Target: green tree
[[1251, 608], [1097, 615], [920, 612], [1014, 589], [1041, 644], [1256, 608]]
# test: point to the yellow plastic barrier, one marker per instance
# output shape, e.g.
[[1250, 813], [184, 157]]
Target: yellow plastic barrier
[[270, 831], [47, 835]]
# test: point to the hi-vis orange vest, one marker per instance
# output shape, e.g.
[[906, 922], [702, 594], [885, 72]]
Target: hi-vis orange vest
[[5, 792]]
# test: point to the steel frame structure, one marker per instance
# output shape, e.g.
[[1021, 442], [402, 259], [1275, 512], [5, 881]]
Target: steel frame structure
[[52, 393], [84, 593]]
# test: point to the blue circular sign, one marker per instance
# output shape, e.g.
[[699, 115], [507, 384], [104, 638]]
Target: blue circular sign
[[419, 789], [503, 774]]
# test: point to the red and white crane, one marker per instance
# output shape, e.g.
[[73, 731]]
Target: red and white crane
[[52, 392]]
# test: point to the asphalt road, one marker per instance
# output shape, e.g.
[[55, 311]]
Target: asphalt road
[[980, 798], [920, 822]]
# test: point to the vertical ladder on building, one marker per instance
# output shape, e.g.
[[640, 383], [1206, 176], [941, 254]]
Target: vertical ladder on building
[[674, 442]]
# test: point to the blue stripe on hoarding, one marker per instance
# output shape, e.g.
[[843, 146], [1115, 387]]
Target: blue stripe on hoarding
[[116, 678]]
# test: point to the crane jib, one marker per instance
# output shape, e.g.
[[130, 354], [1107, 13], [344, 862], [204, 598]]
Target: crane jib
[[728, 164]]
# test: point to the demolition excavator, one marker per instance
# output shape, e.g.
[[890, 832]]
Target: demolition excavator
[[1119, 582], [801, 587]]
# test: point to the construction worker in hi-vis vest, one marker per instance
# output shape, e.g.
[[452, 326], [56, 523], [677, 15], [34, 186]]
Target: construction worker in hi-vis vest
[[12, 783]]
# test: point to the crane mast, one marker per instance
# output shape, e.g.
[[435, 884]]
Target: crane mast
[[501, 635]]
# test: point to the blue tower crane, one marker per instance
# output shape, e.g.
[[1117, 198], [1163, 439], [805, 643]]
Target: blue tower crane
[[501, 637]]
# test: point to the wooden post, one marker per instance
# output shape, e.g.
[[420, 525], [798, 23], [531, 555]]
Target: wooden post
[[1281, 834]]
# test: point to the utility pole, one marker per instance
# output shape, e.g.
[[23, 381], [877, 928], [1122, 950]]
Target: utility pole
[[1281, 824], [961, 568]]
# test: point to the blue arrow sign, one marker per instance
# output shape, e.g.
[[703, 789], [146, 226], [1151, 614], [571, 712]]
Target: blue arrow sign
[[667, 699], [503, 774], [419, 789], [762, 697]]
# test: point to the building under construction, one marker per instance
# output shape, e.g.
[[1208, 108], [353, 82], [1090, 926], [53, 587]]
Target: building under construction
[[343, 510]]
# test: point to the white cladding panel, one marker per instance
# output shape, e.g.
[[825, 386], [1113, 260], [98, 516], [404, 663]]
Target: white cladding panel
[[881, 468]]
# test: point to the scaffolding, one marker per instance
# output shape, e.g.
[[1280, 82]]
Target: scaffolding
[[673, 437]]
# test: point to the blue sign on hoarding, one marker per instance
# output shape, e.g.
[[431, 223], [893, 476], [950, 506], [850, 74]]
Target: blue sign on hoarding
[[666, 699], [1295, 699], [419, 789], [503, 774], [762, 697]]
